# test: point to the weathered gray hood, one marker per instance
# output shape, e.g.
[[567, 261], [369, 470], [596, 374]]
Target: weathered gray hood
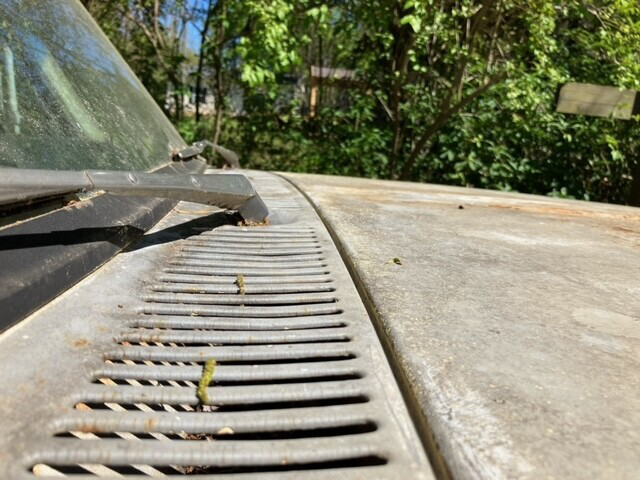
[[514, 320]]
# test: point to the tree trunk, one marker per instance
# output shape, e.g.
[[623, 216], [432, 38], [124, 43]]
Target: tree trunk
[[203, 39], [634, 196], [320, 65], [403, 40], [396, 148], [177, 113], [219, 95], [219, 99], [218, 129]]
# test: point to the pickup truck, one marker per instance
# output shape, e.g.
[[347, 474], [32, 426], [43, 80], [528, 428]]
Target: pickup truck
[[161, 318]]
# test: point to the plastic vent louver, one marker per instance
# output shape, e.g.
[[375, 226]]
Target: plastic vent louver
[[300, 389]]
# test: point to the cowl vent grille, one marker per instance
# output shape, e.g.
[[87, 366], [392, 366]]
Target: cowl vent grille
[[300, 386]]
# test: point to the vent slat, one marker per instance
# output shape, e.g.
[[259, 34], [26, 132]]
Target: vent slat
[[196, 262], [255, 312], [207, 279], [283, 251], [195, 422], [253, 236], [249, 289], [222, 395], [195, 252], [231, 373], [332, 471], [222, 323], [234, 337], [239, 298], [253, 240], [254, 245], [233, 353], [279, 229], [227, 454], [258, 272]]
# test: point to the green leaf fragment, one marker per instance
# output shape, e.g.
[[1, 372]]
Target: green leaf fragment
[[207, 377], [241, 285]]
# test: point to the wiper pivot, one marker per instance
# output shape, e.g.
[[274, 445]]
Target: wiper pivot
[[230, 157]]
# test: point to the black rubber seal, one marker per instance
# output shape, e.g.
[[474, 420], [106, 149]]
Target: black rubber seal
[[43, 257]]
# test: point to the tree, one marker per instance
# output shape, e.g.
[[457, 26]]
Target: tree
[[454, 91], [207, 13], [432, 59], [150, 34]]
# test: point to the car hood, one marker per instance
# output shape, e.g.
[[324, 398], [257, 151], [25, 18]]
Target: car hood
[[512, 319]]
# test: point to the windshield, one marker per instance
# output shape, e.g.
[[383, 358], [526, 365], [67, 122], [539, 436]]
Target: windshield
[[67, 98]]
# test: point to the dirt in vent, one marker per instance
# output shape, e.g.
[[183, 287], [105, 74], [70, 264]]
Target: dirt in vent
[[249, 223]]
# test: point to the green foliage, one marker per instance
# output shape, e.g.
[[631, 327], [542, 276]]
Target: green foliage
[[452, 91], [271, 48]]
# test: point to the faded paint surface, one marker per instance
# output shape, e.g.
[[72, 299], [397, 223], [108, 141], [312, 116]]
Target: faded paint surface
[[515, 319]]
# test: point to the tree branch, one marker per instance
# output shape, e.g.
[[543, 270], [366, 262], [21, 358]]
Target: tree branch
[[156, 23], [147, 33], [443, 117]]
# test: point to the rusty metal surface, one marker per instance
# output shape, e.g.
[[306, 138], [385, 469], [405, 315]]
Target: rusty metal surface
[[515, 320], [102, 381]]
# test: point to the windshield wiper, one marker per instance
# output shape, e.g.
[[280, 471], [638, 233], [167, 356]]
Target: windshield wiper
[[228, 191]]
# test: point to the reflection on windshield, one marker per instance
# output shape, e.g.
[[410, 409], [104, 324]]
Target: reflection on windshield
[[67, 99], [10, 119], [57, 79]]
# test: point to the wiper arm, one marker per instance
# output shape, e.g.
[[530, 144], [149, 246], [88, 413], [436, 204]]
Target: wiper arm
[[228, 191]]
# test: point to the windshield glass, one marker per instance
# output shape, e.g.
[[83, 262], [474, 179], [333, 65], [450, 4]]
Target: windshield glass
[[67, 98]]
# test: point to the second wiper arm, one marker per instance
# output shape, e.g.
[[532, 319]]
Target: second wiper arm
[[228, 191]]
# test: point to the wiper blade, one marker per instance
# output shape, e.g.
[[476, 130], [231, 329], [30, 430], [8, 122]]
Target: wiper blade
[[228, 191]]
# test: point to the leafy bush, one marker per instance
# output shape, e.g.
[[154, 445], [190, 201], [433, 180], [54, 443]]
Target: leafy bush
[[460, 92]]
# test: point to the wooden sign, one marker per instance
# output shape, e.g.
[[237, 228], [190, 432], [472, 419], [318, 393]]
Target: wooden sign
[[598, 101]]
